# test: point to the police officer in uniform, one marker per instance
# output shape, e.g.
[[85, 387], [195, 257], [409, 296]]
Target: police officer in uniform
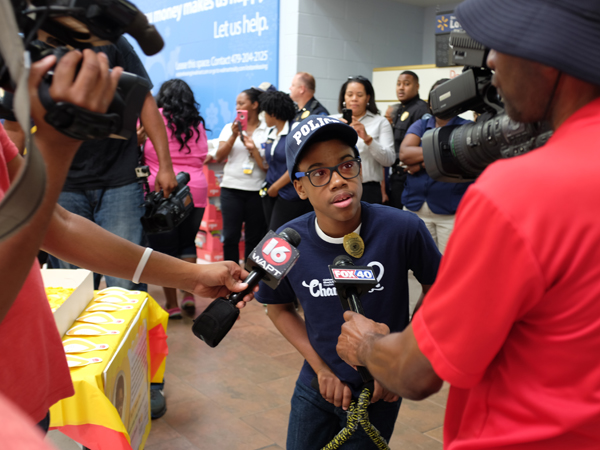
[[302, 91], [411, 109]]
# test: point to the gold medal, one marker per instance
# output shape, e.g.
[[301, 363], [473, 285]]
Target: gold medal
[[404, 116], [305, 114], [354, 245]]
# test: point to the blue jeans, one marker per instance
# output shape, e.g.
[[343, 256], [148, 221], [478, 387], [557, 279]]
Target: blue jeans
[[314, 422], [117, 210]]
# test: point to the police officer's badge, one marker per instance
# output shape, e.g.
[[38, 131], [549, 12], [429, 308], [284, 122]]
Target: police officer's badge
[[305, 114], [354, 245], [404, 116]]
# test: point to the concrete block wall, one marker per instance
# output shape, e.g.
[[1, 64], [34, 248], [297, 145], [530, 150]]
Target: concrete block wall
[[288, 42], [336, 39]]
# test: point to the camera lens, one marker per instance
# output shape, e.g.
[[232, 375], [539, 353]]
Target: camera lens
[[461, 153]]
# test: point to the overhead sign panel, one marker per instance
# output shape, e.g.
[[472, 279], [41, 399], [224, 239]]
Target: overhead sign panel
[[219, 47]]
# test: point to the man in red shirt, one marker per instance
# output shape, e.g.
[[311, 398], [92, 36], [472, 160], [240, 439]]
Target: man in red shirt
[[513, 320]]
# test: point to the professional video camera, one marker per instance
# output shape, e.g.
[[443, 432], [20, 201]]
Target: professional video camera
[[58, 26], [460, 153], [163, 214]]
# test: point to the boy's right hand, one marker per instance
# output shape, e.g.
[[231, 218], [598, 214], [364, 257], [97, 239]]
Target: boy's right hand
[[333, 390]]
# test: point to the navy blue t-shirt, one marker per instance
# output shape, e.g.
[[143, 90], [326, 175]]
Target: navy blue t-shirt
[[395, 241], [441, 197], [277, 167]]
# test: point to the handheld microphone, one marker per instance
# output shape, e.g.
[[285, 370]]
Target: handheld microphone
[[350, 282], [270, 262]]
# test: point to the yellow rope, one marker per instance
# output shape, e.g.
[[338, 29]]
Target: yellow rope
[[358, 414]]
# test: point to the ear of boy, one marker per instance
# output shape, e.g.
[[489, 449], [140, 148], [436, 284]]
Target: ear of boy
[[300, 189]]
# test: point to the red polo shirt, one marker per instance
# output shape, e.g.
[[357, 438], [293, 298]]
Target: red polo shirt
[[513, 320]]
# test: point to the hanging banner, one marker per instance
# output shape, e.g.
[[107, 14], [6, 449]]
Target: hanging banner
[[219, 47]]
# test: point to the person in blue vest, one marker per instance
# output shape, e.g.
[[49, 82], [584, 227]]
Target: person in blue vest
[[433, 201], [280, 200], [325, 167]]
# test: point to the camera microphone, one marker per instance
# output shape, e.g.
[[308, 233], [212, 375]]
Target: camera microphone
[[350, 282], [270, 262], [149, 40]]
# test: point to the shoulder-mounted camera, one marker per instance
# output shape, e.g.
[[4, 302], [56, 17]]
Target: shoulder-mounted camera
[[459, 153]]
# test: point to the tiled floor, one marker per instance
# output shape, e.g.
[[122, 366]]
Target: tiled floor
[[236, 396]]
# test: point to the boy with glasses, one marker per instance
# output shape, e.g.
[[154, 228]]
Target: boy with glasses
[[325, 168]]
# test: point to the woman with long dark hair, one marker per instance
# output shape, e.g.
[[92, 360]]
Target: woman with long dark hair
[[375, 135], [243, 176], [188, 147]]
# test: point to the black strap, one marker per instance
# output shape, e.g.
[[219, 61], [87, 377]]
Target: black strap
[[77, 122]]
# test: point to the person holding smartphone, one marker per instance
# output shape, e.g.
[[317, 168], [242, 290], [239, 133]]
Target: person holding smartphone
[[375, 135], [242, 144]]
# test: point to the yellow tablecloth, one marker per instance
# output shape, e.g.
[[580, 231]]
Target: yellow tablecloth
[[89, 416]]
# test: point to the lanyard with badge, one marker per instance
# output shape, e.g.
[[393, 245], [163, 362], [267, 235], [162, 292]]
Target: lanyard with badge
[[248, 165]]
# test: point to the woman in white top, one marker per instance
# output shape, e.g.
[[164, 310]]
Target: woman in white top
[[243, 176], [375, 135]]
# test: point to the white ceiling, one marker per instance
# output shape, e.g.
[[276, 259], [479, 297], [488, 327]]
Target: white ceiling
[[426, 3]]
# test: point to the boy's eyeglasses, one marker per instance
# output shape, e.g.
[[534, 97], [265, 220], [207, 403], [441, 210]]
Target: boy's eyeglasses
[[322, 175]]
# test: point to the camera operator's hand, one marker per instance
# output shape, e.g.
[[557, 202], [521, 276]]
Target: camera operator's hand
[[91, 87], [165, 180], [219, 279]]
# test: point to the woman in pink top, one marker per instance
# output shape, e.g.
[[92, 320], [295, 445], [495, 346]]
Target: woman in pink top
[[188, 146]]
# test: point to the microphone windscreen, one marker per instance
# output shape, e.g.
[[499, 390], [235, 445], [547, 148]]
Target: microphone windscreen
[[147, 37], [343, 260], [291, 235]]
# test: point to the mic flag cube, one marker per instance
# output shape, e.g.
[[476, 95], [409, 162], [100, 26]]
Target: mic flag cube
[[270, 261], [275, 256], [348, 277]]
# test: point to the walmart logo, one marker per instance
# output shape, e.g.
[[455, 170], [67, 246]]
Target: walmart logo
[[445, 23], [442, 23]]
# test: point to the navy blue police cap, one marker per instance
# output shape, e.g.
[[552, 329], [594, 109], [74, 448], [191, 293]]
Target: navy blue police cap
[[315, 129]]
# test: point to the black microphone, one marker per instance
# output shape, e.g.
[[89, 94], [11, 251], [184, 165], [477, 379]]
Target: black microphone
[[270, 261], [350, 282], [149, 40]]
